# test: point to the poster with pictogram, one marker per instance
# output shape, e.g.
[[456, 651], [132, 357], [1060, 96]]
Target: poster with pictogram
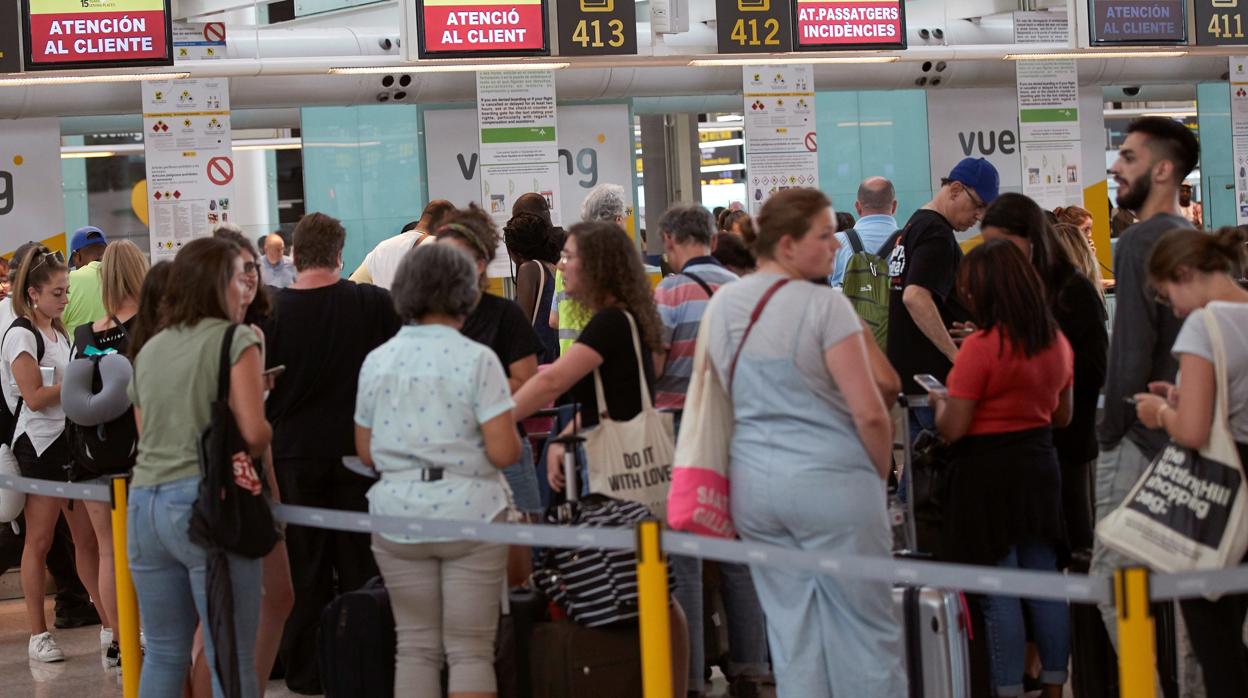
[[190, 164], [781, 149], [198, 41]]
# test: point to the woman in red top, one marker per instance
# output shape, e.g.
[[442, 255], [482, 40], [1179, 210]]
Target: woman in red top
[[1010, 385]]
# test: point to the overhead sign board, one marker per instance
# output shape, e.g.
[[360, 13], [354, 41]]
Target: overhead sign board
[[597, 27], [481, 28], [10, 40], [1137, 22], [64, 34], [824, 25], [1221, 22], [754, 26]]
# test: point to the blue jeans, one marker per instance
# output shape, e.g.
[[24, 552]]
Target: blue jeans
[[1050, 625], [522, 479], [169, 576]]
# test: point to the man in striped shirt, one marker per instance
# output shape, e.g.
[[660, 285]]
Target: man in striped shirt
[[688, 234]]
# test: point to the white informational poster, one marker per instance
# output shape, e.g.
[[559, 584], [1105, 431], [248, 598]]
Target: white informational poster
[[518, 144], [190, 166], [781, 151], [1239, 134], [31, 203], [198, 42], [1048, 100], [1051, 173], [595, 147], [1048, 116]]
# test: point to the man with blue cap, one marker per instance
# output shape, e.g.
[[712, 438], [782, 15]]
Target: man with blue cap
[[923, 266], [86, 298]]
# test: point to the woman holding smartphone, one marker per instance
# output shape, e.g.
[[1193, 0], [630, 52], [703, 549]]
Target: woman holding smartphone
[[1195, 274], [1010, 386]]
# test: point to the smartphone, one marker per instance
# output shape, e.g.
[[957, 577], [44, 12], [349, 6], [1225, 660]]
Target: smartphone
[[47, 374], [1130, 401], [274, 372], [929, 382]]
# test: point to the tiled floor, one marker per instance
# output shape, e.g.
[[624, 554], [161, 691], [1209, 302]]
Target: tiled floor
[[81, 675]]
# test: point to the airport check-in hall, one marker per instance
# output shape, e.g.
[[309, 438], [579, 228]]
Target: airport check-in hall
[[624, 348]]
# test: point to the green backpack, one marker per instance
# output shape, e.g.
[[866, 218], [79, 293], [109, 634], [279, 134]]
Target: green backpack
[[866, 285]]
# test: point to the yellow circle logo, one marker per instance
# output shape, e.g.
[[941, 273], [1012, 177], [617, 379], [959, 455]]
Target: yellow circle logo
[[18, 160]]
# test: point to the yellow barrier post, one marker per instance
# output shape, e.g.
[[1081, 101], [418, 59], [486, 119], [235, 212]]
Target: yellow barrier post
[[653, 606], [1137, 657], [127, 601]]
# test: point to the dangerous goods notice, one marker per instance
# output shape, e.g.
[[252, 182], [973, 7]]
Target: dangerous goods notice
[[833, 24], [96, 33], [482, 27]]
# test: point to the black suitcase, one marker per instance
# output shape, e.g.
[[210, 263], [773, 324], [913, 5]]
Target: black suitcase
[[572, 661], [357, 644]]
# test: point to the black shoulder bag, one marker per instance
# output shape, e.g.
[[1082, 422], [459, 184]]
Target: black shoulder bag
[[231, 512]]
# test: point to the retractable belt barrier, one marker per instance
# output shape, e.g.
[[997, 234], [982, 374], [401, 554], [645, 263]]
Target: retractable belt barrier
[[970, 578]]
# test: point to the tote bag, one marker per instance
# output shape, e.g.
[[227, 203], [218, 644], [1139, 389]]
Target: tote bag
[[698, 501], [1189, 511], [631, 460]]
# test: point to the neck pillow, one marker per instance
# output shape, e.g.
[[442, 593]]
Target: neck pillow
[[88, 407]]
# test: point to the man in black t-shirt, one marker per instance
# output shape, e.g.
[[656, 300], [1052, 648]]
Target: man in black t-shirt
[[322, 328], [923, 266]]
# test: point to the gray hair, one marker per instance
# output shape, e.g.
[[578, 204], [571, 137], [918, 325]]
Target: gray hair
[[876, 194], [687, 222], [223, 228], [605, 202], [438, 279]]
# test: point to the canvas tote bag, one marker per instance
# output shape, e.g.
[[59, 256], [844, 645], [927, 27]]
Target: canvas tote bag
[[699, 500], [1189, 511], [631, 460]]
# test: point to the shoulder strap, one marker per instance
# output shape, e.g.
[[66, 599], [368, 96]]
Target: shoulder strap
[[705, 286], [223, 378], [541, 289], [600, 394], [855, 242], [25, 324], [84, 336], [758, 311], [1221, 411]]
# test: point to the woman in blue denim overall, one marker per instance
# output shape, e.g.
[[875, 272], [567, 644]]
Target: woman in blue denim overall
[[810, 449]]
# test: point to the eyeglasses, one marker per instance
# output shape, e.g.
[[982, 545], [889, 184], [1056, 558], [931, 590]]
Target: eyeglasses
[[1160, 299], [251, 268], [979, 203]]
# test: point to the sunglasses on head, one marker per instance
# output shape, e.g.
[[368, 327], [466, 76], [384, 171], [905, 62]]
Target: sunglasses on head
[[46, 255]]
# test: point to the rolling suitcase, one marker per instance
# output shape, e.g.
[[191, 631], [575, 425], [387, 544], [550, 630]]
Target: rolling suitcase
[[572, 661], [357, 643], [938, 661]]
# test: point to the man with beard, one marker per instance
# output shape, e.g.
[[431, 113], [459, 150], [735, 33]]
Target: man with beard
[[1157, 154]]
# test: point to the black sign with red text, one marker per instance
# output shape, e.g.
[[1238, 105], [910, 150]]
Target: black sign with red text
[[464, 28], [66, 34], [828, 25]]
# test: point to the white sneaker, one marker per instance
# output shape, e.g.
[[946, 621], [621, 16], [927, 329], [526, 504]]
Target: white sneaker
[[43, 648], [106, 637]]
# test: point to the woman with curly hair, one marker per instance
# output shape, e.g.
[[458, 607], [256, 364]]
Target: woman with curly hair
[[602, 270], [534, 248]]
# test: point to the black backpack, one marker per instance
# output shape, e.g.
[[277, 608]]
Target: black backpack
[[8, 420], [105, 449]]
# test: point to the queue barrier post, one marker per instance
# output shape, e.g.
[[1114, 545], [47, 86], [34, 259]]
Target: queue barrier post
[[653, 606], [1136, 644], [127, 601]]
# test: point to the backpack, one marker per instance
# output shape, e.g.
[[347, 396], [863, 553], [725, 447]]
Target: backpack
[[8, 420], [866, 285], [103, 437]]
